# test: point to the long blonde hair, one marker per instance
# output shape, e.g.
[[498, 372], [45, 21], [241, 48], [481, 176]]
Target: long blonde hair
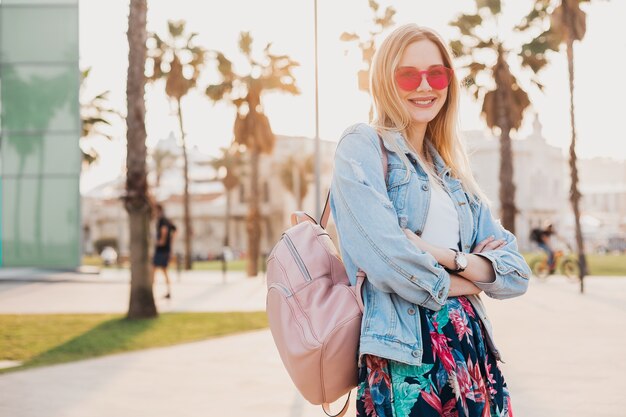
[[392, 117]]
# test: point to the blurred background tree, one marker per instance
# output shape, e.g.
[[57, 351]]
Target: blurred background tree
[[490, 79], [252, 127], [96, 116], [229, 167], [163, 160], [295, 174], [367, 44], [555, 24], [178, 61]]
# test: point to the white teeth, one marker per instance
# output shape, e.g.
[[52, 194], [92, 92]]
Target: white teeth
[[423, 101]]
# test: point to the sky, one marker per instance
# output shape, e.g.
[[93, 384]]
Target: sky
[[288, 25]]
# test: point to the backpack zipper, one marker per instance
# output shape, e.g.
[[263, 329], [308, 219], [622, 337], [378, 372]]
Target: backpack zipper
[[282, 287], [296, 256]]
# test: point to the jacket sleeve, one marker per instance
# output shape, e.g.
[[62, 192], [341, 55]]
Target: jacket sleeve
[[512, 271], [368, 227]]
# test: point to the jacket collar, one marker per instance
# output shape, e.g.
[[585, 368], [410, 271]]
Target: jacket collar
[[440, 165]]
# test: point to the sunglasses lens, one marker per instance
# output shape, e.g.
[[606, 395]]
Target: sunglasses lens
[[439, 78], [408, 78]]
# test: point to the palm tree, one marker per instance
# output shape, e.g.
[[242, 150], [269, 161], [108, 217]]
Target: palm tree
[[252, 128], [294, 174], [179, 62], [567, 24], [95, 114], [367, 44], [504, 101], [229, 171], [163, 160], [136, 199]]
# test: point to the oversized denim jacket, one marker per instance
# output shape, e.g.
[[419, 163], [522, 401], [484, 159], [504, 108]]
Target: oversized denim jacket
[[370, 214]]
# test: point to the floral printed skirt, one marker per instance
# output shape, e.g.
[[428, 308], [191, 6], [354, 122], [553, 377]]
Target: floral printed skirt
[[459, 376]]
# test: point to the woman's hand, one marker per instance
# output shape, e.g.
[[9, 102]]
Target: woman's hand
[[491, 243], [417, 241], [442, 255], [479, 268]]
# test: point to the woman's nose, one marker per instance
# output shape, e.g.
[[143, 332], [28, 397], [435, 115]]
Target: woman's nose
[[424, 86]]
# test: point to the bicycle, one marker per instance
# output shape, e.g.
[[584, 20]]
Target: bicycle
[[567, 264]]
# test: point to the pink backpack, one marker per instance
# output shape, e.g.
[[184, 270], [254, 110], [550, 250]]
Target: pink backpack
[[314, 313]]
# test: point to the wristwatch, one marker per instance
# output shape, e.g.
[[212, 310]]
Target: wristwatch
[[460, 261]]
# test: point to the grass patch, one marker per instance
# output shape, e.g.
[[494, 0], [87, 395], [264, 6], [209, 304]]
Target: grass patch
[[611, 265], [38, 339], [607, 264], [237, 265]]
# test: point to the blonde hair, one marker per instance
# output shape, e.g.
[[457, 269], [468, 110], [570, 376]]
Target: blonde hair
[[392, 117]]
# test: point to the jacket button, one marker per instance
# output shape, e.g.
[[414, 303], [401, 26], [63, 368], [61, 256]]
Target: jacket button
[[440, 293], [411, 311], [415, 354], [425, 187]]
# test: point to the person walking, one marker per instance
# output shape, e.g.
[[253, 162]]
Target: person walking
[[165, 232], [427, 241]]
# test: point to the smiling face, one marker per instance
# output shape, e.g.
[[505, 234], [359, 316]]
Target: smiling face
[[425, 102]]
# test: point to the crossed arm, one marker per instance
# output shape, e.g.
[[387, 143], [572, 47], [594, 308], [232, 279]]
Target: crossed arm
[[479, 269]]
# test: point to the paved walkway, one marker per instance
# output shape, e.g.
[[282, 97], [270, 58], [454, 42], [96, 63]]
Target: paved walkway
[[563, 353], [33, 291]]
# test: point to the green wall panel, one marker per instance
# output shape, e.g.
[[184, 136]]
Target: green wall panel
[[39, 133], [49, 154], [39, 2], [39, 98], [39, 222], [38, 34]]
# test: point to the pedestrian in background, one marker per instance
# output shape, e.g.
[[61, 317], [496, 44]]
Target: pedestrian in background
[[165, 232]]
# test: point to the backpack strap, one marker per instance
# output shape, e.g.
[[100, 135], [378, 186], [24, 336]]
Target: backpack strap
[[344, 410], [326, 212]]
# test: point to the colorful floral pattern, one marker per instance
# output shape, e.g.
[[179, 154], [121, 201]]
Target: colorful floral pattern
[[458, 377]]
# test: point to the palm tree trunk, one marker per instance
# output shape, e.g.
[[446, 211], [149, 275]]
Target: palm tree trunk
[[253, 226], [507, 186], [136, 201], [227, 220], [574, 194], [186, 215], [226, 236]]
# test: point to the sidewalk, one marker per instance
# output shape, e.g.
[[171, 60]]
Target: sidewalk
[[563, 354], [36, 291]]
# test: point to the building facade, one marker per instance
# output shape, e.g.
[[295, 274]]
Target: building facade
[[39, 133], [105, 219], [539, 175]]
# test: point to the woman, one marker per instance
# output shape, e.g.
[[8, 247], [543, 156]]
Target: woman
[[427, 241]]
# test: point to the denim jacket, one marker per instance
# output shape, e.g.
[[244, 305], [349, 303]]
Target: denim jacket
[[370, 214]]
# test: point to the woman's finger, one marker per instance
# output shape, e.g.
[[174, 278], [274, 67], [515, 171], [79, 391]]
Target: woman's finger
[[481, 245], [492, 245], [503, 244], [496, 244]]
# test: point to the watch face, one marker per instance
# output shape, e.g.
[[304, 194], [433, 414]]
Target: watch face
[[462, 261]]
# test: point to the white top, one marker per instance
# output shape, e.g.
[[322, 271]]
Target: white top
[[442, 223]]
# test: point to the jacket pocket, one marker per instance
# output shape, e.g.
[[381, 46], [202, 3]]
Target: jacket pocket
[[397, 184]]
